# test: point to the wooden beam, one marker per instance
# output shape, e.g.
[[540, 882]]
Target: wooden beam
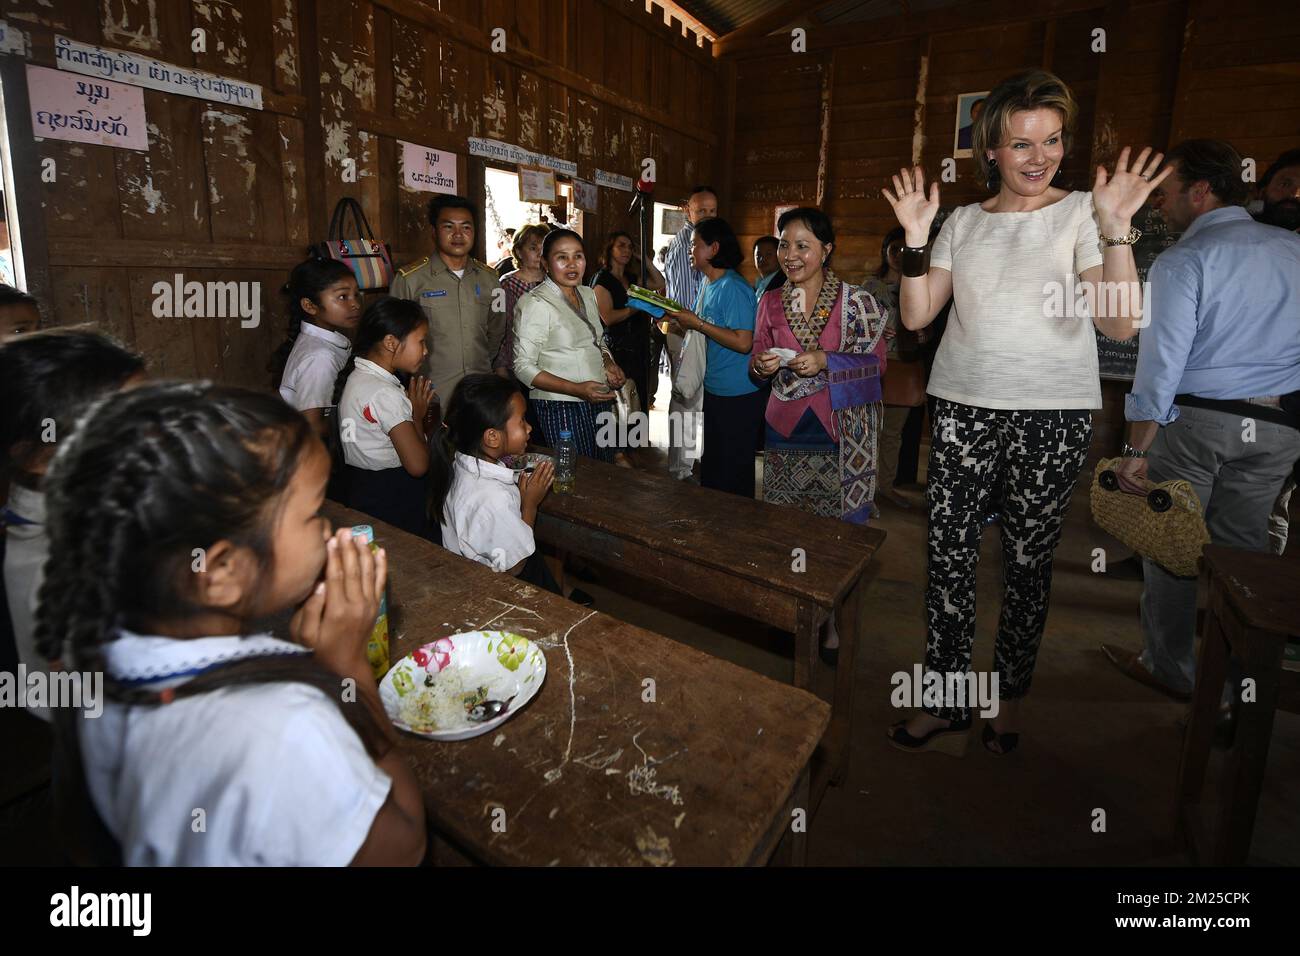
[[313, 132], [727, 107], [1108, 89], [454, 29], [824, 152], [762, 25], [168, 254], [692, 22], [1178, 117], [918, 113], [984, 13]]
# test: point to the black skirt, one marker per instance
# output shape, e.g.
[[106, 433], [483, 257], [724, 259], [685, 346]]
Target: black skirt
[[394, 496]]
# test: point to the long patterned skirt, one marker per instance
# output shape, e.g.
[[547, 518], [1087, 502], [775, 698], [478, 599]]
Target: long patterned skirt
[[804, 469], [581, 418]]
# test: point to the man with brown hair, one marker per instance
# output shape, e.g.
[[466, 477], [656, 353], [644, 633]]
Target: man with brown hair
[[1220, 351]]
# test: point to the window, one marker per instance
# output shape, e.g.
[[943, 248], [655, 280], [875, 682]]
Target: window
[[668, 221], [503, 210], [11, 258]]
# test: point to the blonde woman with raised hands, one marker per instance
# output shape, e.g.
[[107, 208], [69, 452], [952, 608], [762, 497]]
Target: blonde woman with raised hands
[[1015, 379]]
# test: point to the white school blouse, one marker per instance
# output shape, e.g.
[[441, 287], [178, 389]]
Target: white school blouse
[[1004, 346], [278, 773], [481, 519], [373, 403], [314, 363]]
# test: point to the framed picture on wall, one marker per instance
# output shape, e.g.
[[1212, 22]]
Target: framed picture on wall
[[776, 217], [672, 221], [969, 106], [537, 185]]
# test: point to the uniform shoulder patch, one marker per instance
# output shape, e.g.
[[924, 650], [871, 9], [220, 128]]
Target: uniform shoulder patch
[[404, 272]]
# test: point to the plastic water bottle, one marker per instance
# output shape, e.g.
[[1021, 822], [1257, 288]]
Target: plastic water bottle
[[377, 645], [565, 462]]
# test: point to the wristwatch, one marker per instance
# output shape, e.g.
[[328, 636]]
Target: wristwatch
[[1131, 452]]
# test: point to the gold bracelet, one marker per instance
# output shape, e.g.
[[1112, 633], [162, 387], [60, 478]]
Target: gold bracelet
[[1134, 234]]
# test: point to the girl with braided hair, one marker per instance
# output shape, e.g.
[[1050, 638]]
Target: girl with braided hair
[[179, 514]]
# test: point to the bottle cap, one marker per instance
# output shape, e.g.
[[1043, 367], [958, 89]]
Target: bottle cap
[[565, 433]]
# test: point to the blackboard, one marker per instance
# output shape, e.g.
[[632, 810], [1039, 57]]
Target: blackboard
[[1118, 360]]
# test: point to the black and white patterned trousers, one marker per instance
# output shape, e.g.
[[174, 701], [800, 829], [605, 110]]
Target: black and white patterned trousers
[[1036, 457]]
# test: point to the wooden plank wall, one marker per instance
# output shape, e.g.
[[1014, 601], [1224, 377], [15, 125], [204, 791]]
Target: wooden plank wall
[[227, 193], [1173, 69]]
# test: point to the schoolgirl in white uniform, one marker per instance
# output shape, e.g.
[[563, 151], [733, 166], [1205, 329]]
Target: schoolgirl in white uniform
[[203, 718], [381, 423], [324, 309], [488, 510]]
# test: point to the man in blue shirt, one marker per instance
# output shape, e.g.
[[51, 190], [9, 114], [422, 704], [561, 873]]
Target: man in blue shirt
[[770, 275], [683, 281], [1221, 349]]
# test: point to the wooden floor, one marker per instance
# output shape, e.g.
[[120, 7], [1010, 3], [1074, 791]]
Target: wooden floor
[[1091, 738]]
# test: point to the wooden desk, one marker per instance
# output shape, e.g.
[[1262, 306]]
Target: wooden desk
[[590, 773], [733, 552], [1252, 611]]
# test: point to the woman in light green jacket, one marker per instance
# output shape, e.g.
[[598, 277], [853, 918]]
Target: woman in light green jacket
[[560, 353]]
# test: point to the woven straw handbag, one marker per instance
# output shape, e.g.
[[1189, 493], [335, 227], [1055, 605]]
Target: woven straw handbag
[[1166, 525]]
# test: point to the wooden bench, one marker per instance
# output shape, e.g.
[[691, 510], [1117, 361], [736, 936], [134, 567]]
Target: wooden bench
[[777, 565], [1253, 609], [591, 772]]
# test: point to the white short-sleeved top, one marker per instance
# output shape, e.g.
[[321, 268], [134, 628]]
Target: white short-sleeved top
[[1006, 345], [314, 363], [278, 773], [373, 403], [481, 517]]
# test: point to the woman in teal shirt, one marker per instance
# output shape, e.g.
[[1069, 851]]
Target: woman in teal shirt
[[733, 404]]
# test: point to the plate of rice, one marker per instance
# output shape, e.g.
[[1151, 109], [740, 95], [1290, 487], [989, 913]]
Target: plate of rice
[[431, 691]]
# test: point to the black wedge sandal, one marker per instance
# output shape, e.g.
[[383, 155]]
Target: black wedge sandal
[[1006, 742], [950, 740]]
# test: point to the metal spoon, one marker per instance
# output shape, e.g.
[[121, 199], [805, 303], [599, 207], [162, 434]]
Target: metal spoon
[[488, 709]]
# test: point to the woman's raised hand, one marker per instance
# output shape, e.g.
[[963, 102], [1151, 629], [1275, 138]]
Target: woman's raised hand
[[914, 211], [1118, 197]]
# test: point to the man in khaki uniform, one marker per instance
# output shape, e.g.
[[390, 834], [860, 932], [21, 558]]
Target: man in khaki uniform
[[458, 294]]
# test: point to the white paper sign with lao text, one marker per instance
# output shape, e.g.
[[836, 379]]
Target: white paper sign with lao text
[[77, 108], [428, 170]]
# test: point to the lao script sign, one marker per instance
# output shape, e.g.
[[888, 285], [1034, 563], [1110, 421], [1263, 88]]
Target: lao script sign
[[428, 170], [139, 70], [86, 111]]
